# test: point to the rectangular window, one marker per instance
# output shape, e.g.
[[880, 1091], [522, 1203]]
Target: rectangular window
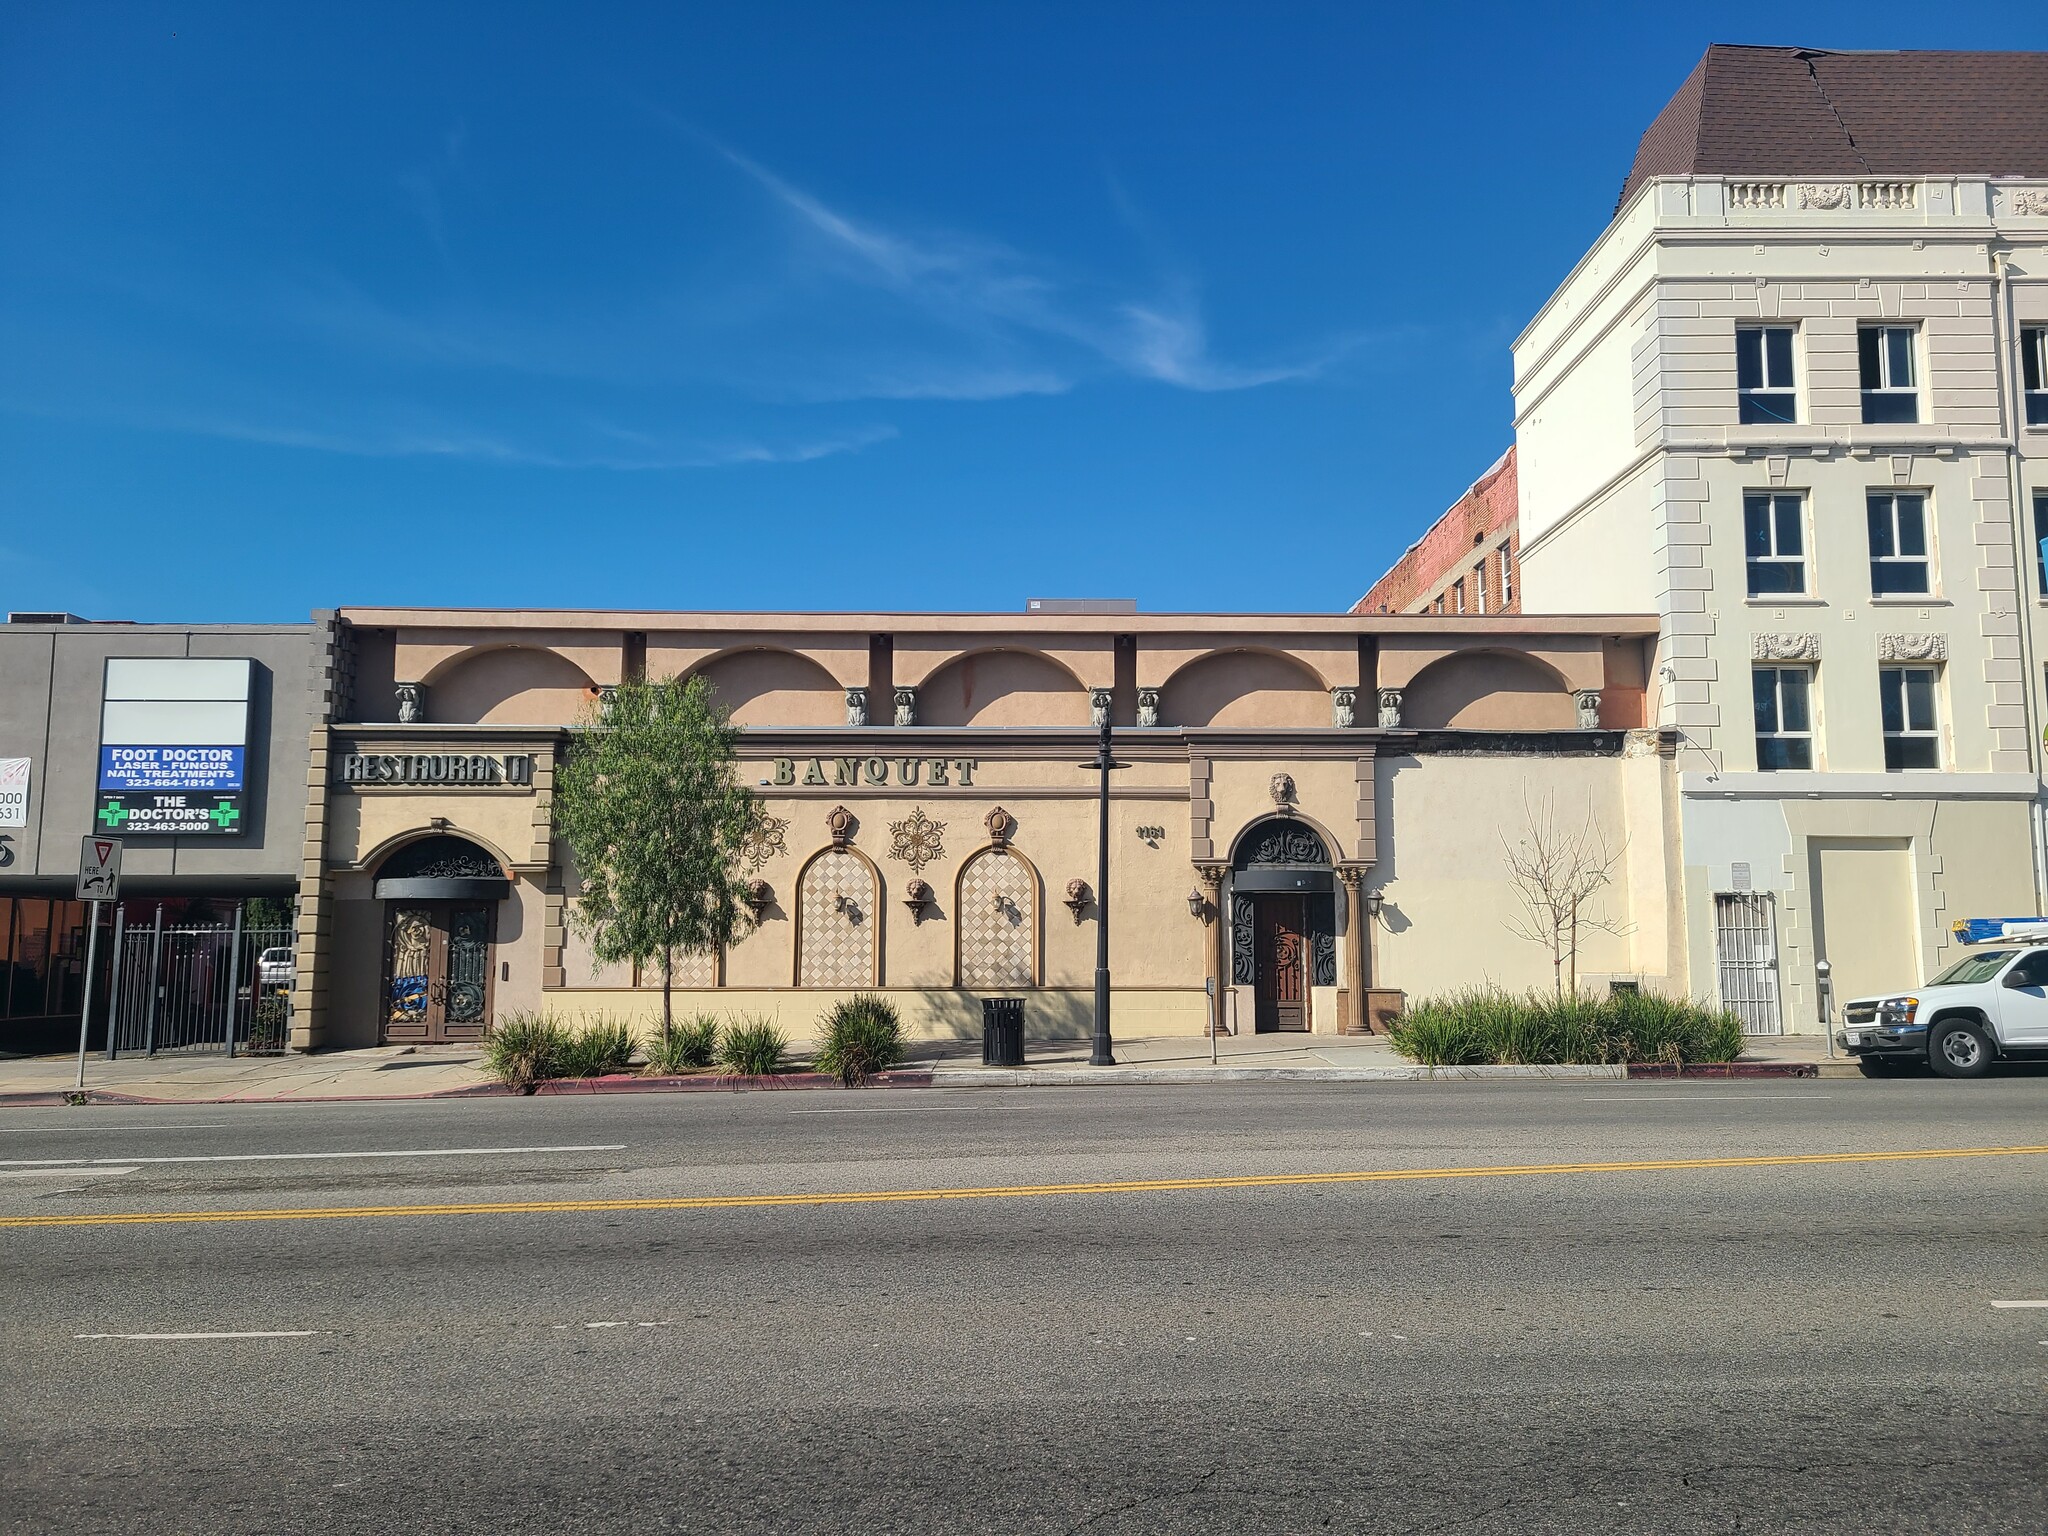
[[2034, 373], [1458, 596], [1884, 355], [1763, 374], [1912, 738], [1898, 543], [1479, 583], [2041, 541], [1774, 541], [1784, 717]]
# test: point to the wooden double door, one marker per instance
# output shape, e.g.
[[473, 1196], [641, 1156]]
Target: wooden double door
[[1280, 941], [437, 970]]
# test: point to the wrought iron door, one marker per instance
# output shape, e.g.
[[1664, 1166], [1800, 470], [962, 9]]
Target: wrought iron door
[[1746, 947], [437, 971], [1282, 946]]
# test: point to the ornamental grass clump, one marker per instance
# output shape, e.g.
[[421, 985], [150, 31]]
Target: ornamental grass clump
[[691, 1046], [604, 1046], [752, 1046], [1489, 1027], [863, 1035], [524, 1048]]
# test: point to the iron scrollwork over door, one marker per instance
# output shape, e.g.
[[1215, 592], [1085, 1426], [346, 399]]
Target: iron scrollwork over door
[[469, 962], [1244, 965], [1322, 939], [437, 971]]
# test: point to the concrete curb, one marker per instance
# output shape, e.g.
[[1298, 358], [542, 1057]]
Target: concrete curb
[[1099, 1077], [1648, 1070]]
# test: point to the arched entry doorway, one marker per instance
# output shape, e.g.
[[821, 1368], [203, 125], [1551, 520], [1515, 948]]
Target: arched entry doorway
[[440, 898], [1283, 920]]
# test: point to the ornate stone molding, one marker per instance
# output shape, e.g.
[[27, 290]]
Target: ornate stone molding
[[917, 840], [1002, 826], [1212, 874], [412, 703], [1343, 708], [1587, 701], [1390, 709], [2027, 200], [1784, 647], [842, 824], [1078, 897], [1827, 198], [1098, 707], [1912, 647], [1148, 706], [856, 706], [1282, 788], [906, 706]]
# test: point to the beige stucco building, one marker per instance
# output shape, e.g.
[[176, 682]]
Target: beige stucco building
[[1315, 813], [1792, 402]]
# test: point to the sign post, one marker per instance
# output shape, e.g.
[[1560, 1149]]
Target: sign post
[[99, 882]]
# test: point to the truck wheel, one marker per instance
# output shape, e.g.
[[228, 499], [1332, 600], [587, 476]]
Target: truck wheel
[[1958, 1048]]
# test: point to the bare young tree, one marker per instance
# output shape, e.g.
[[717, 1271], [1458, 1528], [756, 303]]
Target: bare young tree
[[1558, 875]]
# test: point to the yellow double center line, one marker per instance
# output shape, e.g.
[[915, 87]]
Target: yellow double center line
[[1013, 1191]]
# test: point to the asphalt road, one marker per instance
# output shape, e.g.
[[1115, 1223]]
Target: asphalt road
[[1794, 1346]]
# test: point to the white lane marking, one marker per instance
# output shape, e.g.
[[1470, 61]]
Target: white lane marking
[[277, 1333], [618, 1325], [65, 1173], [1694, 1098], [911, 1109], [2020, 1303], [297, 1157], [93, 1130]]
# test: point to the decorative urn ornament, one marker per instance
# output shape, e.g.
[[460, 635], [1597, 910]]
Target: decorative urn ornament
[[759, 894], [917, 895], [1077, 898]]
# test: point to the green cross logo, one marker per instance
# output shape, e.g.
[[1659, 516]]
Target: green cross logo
[[224, 816], [113, 814]]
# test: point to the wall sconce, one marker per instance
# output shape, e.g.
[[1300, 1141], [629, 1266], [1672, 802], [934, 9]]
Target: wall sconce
[[917, 896], [1197, 907], [845, 903], [1374, 902], [759, 894], [1077, 898]]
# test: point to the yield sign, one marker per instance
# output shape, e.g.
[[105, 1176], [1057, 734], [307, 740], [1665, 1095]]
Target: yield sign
[[99, 868]]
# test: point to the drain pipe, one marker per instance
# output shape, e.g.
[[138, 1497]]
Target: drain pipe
[[2026, 601]]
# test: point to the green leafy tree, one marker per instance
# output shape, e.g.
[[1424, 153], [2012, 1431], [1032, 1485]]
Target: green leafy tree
[[649, 799]]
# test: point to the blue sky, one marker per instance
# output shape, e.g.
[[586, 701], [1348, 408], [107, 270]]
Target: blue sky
[[875, 305]]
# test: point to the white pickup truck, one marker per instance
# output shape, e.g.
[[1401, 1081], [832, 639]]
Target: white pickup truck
[[1991, 1005]]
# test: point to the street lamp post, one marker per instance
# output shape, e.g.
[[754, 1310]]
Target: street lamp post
[[1103, 1055]]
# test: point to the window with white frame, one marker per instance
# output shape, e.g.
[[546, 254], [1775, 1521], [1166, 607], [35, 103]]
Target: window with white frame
[[2034, 373], [2041, 540], [1884, 355], [1479, 583], [1458, 596], [1763, 374], [1774, 542], [1912, 731], [1507, 574], [1898, 544], [1784, 717]]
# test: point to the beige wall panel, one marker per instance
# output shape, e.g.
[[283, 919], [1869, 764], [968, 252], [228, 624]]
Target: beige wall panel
[[994, 688], [1326, 797], [766, 687], [515, 686], [1245, 688], [1443, 827], [1478, 691], [1866, 915]]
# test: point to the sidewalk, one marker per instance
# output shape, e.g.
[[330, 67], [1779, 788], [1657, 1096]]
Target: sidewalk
[[407, 1072]]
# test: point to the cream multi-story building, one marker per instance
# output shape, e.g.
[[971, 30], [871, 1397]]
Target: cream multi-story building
[[1793, 401]]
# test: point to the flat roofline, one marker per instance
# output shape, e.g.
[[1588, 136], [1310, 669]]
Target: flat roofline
[[902, 622]]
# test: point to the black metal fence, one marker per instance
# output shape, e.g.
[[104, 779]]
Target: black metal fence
[[198, 988]]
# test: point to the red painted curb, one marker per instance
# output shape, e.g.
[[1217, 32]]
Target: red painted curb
[[1726, 1069]]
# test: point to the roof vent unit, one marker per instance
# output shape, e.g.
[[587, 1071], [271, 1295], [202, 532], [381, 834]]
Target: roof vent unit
[[46, 618], [1081, 605]]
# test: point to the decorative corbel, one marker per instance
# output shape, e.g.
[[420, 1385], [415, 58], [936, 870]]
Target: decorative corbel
[[412, 703], [1098, 707], [906, 706], [1077, 898], [1148, 706]]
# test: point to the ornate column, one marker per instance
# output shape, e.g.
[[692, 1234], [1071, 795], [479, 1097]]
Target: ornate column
[[906, 706], [412, 703], [1217, 961], [1356, 972]]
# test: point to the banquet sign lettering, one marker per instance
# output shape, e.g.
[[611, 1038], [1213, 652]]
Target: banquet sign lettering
[[942, 772]]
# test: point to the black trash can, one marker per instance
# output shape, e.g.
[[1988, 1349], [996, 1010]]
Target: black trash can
[[1002, 1031]]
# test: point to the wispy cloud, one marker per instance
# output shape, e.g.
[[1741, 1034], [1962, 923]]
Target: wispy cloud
[[991, 292]]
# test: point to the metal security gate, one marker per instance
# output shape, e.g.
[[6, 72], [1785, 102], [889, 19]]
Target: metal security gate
[[196, 988], [1746, 949]]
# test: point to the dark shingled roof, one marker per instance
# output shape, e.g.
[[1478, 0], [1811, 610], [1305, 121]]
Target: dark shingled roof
[[1809, 112]]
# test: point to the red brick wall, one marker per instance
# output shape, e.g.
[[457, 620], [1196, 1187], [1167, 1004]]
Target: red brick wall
[[1452, 547]]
